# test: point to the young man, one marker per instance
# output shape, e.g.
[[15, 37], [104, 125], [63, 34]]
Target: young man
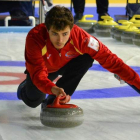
[[59, 47]]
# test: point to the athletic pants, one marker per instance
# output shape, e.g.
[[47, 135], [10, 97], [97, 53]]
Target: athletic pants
[[102, 6], [79, 5]]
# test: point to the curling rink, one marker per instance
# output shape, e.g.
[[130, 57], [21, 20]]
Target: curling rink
[[111, 110]]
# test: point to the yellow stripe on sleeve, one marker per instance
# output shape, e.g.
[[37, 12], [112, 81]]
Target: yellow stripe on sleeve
[[44, 50], [78, 50], [75, 47]]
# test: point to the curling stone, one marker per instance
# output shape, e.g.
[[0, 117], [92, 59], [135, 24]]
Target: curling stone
[[119, 30], [122, 22], [136, 38], [86, 24], [103, 28], [135, 19], [127, 34], [61, 115]]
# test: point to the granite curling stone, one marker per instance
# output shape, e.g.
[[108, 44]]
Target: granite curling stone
[[121, 22], [61, 115], [127, 34], [119, 30], [103, 28], [86, 24]]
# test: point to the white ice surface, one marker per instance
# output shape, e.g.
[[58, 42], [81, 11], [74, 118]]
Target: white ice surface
[[104, 119]]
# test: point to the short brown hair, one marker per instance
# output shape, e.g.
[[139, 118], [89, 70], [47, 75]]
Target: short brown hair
[[59, 17]]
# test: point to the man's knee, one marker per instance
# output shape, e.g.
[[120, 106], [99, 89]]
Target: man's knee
[[33, 102]]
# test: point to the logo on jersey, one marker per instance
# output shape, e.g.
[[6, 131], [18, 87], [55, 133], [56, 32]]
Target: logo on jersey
[[93, 44], [70, 54], [48, 56]]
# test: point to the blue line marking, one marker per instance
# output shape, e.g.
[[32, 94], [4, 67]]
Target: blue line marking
[[117, 92], [8, 96], [97, 67], [12, 63]]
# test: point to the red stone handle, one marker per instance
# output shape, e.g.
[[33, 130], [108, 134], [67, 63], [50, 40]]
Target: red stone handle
[[56, 104]]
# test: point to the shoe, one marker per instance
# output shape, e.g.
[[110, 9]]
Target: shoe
[[47, 101], [100, 15], [20, 87], [78, 16]]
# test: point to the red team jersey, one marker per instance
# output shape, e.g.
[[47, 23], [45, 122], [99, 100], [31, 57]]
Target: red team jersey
[[42, 57]]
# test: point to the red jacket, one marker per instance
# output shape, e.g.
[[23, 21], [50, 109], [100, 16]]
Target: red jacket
[[42, 58]]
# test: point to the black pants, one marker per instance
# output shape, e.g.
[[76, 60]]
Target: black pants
[[102, 6], [79, 6], [71, 76]]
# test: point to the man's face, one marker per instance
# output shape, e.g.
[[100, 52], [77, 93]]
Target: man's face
[[59, 38]]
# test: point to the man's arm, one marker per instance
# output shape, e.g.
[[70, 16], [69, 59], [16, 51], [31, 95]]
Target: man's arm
[[86, 43], [35, 65]]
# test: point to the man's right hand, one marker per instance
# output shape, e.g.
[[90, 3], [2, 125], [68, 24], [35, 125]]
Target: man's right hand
[[60, 92]]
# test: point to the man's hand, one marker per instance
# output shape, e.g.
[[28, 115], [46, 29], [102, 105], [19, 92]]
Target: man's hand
[[60, 92]]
